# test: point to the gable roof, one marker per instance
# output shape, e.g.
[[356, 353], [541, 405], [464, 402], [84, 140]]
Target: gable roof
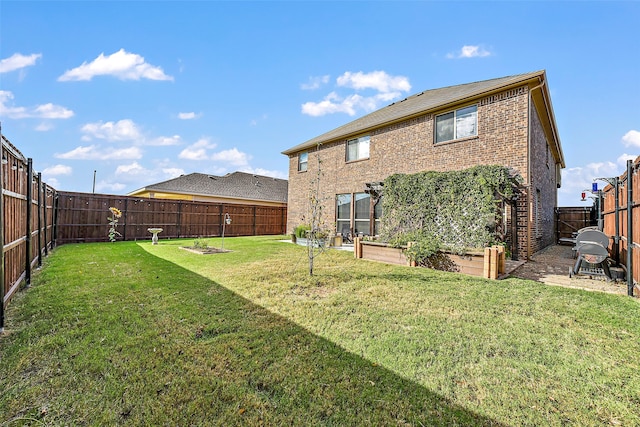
[[235, 185], [432, 100]]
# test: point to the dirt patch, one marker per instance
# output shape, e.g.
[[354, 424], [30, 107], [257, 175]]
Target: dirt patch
[[204, 251], [552, 265]]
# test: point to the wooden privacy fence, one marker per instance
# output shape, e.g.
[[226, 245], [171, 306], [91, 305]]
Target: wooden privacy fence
[[27, 218], [82, 217], [625, 219], [571, 219], [35, 217]]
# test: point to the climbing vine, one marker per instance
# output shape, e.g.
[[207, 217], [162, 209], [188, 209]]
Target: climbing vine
[[451, 210]]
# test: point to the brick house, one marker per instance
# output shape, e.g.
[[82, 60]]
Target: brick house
[[507, 121]]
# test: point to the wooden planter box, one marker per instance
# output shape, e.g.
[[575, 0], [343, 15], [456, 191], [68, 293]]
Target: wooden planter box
[[489, 264]]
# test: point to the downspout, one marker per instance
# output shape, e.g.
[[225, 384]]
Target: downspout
[[529, 174]]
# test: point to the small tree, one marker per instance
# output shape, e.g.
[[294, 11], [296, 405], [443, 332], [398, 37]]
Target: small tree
[[318, 231]]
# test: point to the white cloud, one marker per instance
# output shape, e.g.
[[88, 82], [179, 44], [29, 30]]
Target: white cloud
[[132, 169], [232, 156], [350, 105], [631, 138], [315, 82], [44, 127], [57, 170], [92, 152], [172, 172], [622, 160], [122, 65], [50, 111], [377, 80], [197, 150], [388, 88], [44, 111], [468, 51], [52, 182], [578, 179], [106, 187], [18, 61], [122, 130], [265, 172], [165, 140], [188, 116]]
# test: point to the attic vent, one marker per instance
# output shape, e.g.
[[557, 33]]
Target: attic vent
[[212, 177]]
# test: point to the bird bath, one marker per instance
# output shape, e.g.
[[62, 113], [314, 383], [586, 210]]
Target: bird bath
[[155, 232]]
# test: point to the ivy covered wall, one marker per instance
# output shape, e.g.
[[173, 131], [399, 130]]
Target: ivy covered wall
[[457, 210]]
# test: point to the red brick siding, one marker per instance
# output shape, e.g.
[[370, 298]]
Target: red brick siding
[[543, 179], [408, 147]]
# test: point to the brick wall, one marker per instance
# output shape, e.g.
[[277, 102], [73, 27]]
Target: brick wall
[[408, 147], [543, 187]]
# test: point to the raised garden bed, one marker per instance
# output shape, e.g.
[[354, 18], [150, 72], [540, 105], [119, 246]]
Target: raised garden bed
[[489, 264]]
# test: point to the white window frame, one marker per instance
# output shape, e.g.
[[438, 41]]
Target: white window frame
[[361, 153], [456, 123], [302, 168]]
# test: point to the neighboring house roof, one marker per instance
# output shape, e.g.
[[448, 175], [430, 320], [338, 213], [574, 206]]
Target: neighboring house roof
[[236, 185], [432, 100]]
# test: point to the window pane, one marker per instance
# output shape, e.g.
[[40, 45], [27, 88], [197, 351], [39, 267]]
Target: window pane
[[363, 205], [358, 148], [303, 161], [343, 206], [363, 149], [352, 150], [444, 127], [466, 122], [361, 227], [343, 226]]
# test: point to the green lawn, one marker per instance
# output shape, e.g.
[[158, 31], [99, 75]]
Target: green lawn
[[138, 334]]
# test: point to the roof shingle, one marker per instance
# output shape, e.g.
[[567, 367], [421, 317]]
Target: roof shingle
[[422, 102], [240, 185]]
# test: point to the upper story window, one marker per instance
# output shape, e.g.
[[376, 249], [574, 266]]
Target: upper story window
[[358, 148], [303, 161], [457, 124]]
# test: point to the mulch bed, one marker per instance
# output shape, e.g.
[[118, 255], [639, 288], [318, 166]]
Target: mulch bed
[[204, 251]]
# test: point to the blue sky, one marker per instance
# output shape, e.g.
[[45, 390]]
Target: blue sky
[[141, 92]]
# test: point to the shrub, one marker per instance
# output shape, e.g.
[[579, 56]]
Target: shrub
[[301, 230], [200, 243], [423, 245]]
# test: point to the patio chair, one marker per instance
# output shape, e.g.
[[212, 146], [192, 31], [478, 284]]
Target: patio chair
[[346, 235]]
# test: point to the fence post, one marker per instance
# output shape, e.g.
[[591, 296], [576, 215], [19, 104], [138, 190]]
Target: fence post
[[56, 207], [124, 220], [2, 166], [630, 228], [44, 197], [39, 183], [29, 215]]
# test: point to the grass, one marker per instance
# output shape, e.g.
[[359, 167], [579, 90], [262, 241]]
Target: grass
[[143, 334]]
